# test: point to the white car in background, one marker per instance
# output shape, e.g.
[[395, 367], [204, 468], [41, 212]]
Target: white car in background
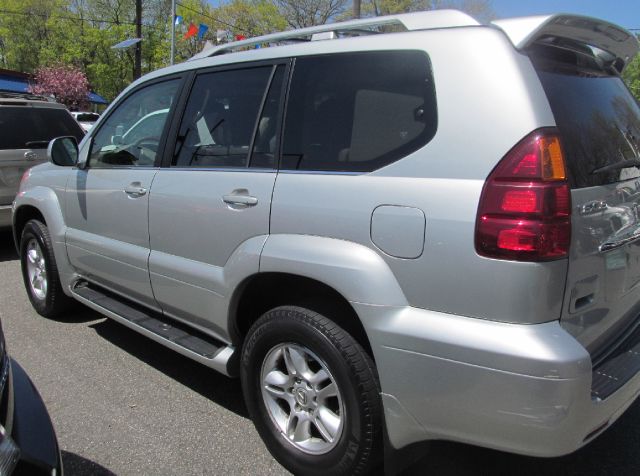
[[85, 119]]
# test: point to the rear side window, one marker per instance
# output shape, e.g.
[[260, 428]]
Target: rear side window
[[357, 112], [220, 118], [598, 118], [25, 127]]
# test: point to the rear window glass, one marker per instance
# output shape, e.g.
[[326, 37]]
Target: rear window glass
[[599, 121], [358, 112], [33, 127]]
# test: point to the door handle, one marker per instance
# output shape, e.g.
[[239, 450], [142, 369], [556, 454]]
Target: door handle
[[240, 197], [135, 190]]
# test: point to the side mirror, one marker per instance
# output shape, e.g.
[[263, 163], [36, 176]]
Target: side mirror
[[63, 151]]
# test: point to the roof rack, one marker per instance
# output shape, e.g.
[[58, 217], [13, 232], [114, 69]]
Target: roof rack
[[29, 96], [367, 26]]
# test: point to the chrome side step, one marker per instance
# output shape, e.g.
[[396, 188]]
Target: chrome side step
[[188, 342]]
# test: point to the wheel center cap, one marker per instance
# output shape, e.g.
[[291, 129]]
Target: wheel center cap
[[301, 396]]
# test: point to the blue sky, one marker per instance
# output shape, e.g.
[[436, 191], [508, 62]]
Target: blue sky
[[625, 13]]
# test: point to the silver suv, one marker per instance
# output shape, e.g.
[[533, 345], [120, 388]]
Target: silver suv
[[392, 230], [27, 124]]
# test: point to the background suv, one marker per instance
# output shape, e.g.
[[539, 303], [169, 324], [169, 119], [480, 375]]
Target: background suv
[[392, 230], [27, 123]]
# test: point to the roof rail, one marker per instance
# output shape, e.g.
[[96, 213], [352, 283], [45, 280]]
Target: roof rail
[[407, 22], [29, 96]]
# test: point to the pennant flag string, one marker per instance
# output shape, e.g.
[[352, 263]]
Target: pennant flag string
[[191, 31], [202, 30]]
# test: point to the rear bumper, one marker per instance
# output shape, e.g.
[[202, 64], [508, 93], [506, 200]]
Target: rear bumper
[[519, 388], [32, 430]]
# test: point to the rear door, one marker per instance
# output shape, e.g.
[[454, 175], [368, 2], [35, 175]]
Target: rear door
[[599, 122], [214, 196], [26, 130]]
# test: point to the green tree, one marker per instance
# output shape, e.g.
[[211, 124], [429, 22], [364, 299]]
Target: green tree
[[303, 13], [631, 76], [480, 9], [24, 30], [251, 17]]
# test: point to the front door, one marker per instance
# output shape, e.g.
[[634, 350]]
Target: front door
[[107, 202], [214, 199]]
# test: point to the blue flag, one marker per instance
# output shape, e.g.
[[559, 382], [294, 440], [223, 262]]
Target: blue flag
[[178, 20], [202, 30]]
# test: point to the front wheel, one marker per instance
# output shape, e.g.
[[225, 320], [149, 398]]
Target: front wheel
[[40, 272], [312, 392]]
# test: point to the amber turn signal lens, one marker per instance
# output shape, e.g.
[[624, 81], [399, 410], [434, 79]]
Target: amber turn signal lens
[[552, 158]]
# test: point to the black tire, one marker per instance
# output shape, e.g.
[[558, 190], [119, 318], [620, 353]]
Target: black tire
[[51, 302], [357, 446]]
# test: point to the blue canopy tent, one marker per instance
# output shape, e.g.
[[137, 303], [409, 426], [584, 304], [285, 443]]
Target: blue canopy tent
[[15, 82]]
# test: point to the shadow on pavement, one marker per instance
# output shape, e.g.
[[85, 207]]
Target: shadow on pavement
[[7, 248], [75, 465], [78, 313], [212, 385]]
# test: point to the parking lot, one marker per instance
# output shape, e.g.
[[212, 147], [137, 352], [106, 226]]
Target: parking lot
[[122, 404]]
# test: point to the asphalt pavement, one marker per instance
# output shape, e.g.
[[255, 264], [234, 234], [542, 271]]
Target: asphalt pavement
[[124, 405]]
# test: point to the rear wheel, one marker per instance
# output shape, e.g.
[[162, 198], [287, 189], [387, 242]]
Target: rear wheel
[[40, 272], [312, 392]]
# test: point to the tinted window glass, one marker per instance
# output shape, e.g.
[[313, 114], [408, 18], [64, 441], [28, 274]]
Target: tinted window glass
[[358, 111], [33, 127], [220, 118], [599, 121], [131, 134]]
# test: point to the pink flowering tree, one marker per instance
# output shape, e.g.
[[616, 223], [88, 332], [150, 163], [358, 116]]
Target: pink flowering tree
[[66, 83]]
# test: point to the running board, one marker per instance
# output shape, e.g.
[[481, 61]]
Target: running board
[[179, 337]]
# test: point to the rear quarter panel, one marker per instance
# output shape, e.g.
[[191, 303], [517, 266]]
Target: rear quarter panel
[[488, 98]]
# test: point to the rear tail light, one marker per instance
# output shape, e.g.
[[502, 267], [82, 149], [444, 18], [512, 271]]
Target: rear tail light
[[23, 179], [525, 206]]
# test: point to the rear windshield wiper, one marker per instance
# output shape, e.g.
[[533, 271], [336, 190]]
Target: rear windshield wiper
[[37, 144], [623, 164]]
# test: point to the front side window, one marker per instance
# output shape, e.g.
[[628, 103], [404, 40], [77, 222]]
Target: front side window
[[220, 118], [357, 112], [131, 135]]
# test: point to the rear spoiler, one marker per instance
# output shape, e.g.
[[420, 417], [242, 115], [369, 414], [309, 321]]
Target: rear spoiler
[[525, 31]]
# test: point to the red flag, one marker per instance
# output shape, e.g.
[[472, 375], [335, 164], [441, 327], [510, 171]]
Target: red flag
[[240, 37], [191, 31]]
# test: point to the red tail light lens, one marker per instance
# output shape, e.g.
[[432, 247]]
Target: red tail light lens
[[525, 206]]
